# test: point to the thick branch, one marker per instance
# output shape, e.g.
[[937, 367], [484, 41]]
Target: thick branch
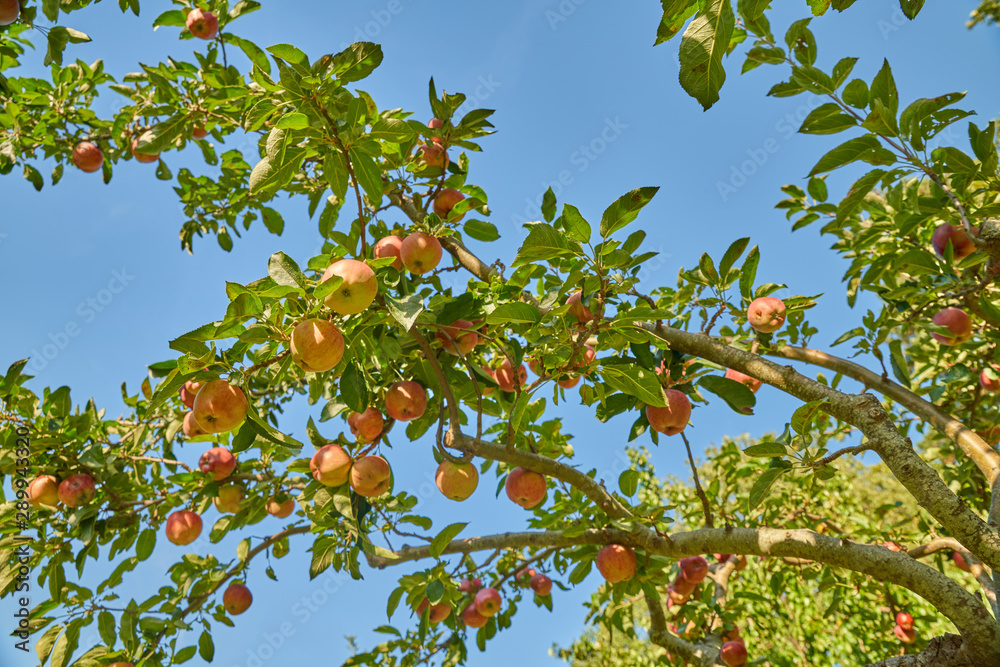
[[659, 635], [943, 651]]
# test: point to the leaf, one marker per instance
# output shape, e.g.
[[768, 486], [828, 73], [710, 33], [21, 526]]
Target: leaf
[[368, 175], [434, 591], [762, 487], [883, 89], [445, 537], [749, 272], [767, 449], [866, 148], [357, 61], [405, 310], [702, 46], [292, 121], [292, 55], [544, 242], [737, 395], [284, 271], [576, 225], [144, 545], [391, 129], [481, 230], [857, 193], [106, 627], [827, 119], [514, 313], [628, 482], [898, 362], [162, 135], [625, 209], [354, 388], [911, 7], [732, 254], [394, 598], [549, 205], [637, 382], [804, 415]]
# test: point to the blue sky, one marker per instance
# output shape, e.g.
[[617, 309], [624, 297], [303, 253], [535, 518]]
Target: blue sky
[[583, 100]]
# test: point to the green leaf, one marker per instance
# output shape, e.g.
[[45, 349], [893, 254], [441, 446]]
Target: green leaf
[[856, 94], [576, 225], [434, 591], [508, 313], [162, 135], [628, 482], [394, 599], [732, 254], [445, 537], [827, 119], [284, 271], [637, 382], [481, 230], [357, 61], [858, 192], [354, 388], [804, 415], [368, 175], [174, 17], [625, 209], [911, 7], [990, 309], [762, 486], [767, 449], [292, 121], [737, 395], [405, 310], [544, 242], [898, 361], [749, 272], [391, 129], [292, 55], [144, 545], [252, 51], [106, 627], [549, 205], [865, 148], [883, 88], [702, 46]]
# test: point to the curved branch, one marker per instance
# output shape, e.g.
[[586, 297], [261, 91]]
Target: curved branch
[[943, 651], [659, 635]]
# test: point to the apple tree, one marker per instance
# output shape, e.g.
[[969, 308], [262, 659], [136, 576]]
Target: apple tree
[[738, 567]]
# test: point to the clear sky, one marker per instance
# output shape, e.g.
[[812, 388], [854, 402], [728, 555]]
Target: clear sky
[[582, 96]]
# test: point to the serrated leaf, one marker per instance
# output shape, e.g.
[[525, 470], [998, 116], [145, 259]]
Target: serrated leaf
[[637, 382], [703, 44], [625, 209], [405, 310], [514, 313], [762, 486], [737, 395], [576, 225], [544, 242], [354, 388], [898, 361], [445, 537]]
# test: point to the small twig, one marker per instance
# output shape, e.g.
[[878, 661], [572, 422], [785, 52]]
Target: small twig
[[709, 521]]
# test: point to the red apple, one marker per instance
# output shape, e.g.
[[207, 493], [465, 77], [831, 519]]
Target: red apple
[[470, 585], [957, 321], [988, 383], [420, 253], [280, 510], [962, 245], [569, 382], [77, 490], [488, 602], [456, 480], [472, 618], [190, 427], [331, 465], [237, 599], [457, 337], [694, 569], [220, 407], [202, 24], [199, 132], [616, 563], [230, 499], [541, 584], [405, 401], [189, 391], [904, 620], [366, 426], [903, 635], [525, 487], [505, 376], [43, 492], [371, 476], [10, 10], [217, 462], [672, 418], [582, 313], [142, 157], [960, 562], [432, 156], [183, 527], [766, 314], [87, 157], [356, 292], [438, 613], [317, 345], [389, 246], [733, 654], [751, 382], [681, 589], [435, 124], [524, 575], [446, 200]]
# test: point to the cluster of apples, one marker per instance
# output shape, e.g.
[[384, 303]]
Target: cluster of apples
[[46, 492], [484, 604], [904, 628], [692, 572], [957, 321]]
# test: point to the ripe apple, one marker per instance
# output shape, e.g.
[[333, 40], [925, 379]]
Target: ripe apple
[[142, 157], [489, 371], [432, 156], [488, 602], [903, 635], [505, 376], [470, 585], [453, 340], [218, 462], [229, 499], [87, 157], [751, 382], [472, 618], [904, 620], [694, 569], [190, 427], [673, 417], [525, 487], [582, 313], [524, 575], [405, 400], [420, 253], [733, 654], [43, 492], [189, 391], [356, 292], [988, 383], [370, 476], [331, 465], [183, 527], [438, 612], [220, 407], [732, 634], [456, 480], [366, 426], [569, 382], [77, 490], [446, 200], [962, 245], [435, 124], [237, 599], [541, 584], [121, 664], [616, 563], [681, 589], [766, 314], [202, 24], [10, 10], [280, 510], [199, 132], [960, 562], [957, 321], [389, 246], [317, 345]]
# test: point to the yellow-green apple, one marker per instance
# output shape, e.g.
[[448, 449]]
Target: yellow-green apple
[[456, 480], [988, 383], [356, 292], [751, 382], [766, 314], [904, 620], [957, 321], [405, 400], [505, 376], [960, 561], [190, 427], [436, 124], [470, 585], [694, 568], [143, 157], [370, 476], [541, 584], [202, 24], [459, 336], [438, 612], [43, 492], [199, 132], [673, 417], [9, 11], [77, 490], [488, 602], [317, 345], [237, 599], [577, 309], [220, 407], [420, 253], [446, 200], [616, 563], [183, 527], [472, 618], [280, 510], [903, 635], [432, 156], [218, 462], [733, 653], [525, 487], [331, 465], [962, 245], [229, 499], [87, 157], [389, 246], [366, 426], [189, 391]]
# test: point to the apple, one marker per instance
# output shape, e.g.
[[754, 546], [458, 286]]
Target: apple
[[438, 613], [389, 246], [420, 253], [356, 292], [199, 132], [489, 371], [183, 527], [229, 499], [142, 157], [190, 427], [43, 492], [331, 465], [435, 124], [432, 156], [317, 345], [220, 407], [585, 358], [370, 476], [218, 462], [733, 654], [189, 391], [524, 575], [986, 382], [202, 24], [470, 585], [366, 426], [904, 620], [10, 10], [616, 563], [525, 487], [454, 341], [541, 584], [694, 569], [456, 480], [237, 599], [87, 157], [121, 664], [569, 382], [77, 490], [672, 418], [446, 200], [960, 562], [488, 602], [681, 589], [903, 635], [472, 618], [732, 634], [962, 245], [751, 382], [505, 376], [280, 510], [582, 313], [957, 321], [406, 400], [766, 314]]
